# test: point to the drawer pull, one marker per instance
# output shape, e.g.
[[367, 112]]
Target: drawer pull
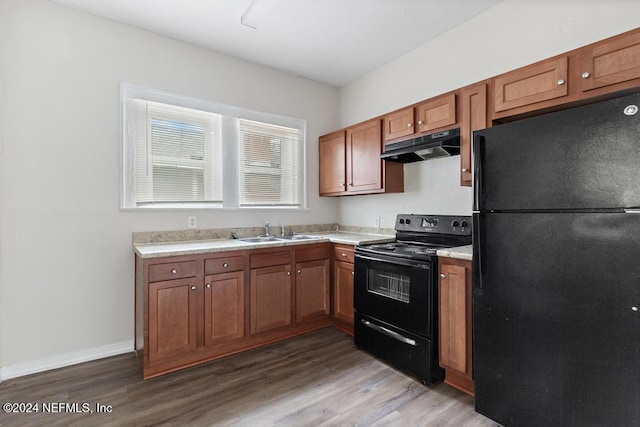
[[560, 82], [585, 75], [225, 265], [174, 271], [343, 254]]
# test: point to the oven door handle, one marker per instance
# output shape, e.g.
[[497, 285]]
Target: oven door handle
[[424, 266], [388, 332]]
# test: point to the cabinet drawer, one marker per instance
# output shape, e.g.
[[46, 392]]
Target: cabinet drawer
[[224, 264], [267, 259], [343, 253], [314, 253], [172, 270]]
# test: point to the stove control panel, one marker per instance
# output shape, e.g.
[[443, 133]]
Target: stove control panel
[[442, 224]]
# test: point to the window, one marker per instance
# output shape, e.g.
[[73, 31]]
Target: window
[[180, 152]]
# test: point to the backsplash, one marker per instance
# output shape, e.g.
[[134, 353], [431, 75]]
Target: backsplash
[[226, 233]]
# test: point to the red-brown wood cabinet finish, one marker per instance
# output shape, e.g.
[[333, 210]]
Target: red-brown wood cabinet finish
[[195, 308], [455, 312]]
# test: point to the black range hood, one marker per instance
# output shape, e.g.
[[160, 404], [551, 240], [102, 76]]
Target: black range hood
[[441, 144]]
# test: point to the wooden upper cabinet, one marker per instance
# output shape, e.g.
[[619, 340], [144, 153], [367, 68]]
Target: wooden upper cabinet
[[612, 61], [333, 170], [399, 124], [529, 85], [364, 166], [437, 113], [473, 102]]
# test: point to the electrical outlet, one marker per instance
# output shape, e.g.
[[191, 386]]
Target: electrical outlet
[[192, 221], [376, 222]]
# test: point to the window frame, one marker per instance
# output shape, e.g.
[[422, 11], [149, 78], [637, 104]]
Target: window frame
[[229, 149]]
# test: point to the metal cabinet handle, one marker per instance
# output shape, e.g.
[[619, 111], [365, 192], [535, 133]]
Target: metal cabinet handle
[[299, 271], [209, 285], [225, 265], [343, 254], [560, 82], [419, 122], [288, 273], [443, 275], [585, 75], [193, 288], [464, 169], [174, 271], [353, 273]]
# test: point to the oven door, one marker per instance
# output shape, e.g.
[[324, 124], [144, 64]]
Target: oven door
[[395, 290]]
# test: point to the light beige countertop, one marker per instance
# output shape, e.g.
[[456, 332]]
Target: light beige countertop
[[460, 252], [193, 247]]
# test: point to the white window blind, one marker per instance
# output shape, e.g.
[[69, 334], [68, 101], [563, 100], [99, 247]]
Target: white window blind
[[270, 164], [180, 152], [178, 155]]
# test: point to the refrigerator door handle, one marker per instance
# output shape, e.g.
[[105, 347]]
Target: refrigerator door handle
[[477, 251], [478, 154], [632, 211]]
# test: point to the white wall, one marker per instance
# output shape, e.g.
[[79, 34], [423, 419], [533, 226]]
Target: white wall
[[510, 35], [66, 283]]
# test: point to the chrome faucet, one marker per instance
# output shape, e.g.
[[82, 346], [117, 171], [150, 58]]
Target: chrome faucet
[[282, 230], [266, 228]]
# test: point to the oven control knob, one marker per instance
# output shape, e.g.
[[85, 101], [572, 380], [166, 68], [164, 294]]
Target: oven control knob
[[455, 223], [401, 220], [464, 224], [408, 221]]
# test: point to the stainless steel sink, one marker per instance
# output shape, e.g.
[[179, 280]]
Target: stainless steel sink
[[296, 237], [259, 239]]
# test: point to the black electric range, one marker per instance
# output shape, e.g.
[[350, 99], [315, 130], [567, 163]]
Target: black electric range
[[395, 292]]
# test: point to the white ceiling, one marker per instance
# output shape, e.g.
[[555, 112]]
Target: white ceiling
[[330, 41]]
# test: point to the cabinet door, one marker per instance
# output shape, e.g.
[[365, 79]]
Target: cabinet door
[[610, 62], [343, 291], [312, 289], [474, 117], [454, 330], [332, 163], [399, 123], [528, 85], [223, 307], [172, 318], [270, 298], [437, 113], [364, 166]]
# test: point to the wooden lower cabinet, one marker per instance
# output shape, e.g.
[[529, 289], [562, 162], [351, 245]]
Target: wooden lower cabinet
[[192, 309], [270, 297], [342, 287], [173, 316], [223, 307], [455, 312], [312, 289]]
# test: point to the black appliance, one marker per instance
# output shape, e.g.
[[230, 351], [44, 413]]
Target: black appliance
[[556, 268], [395, 292], [425, 147]]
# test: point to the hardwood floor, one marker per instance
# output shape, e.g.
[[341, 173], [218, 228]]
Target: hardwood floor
[[312, 380]]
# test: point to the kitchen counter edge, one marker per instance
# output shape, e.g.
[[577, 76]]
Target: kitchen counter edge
[[459, 252]]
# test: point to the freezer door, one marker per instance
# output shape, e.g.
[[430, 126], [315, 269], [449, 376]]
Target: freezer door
[[556, 332], [581, 158]]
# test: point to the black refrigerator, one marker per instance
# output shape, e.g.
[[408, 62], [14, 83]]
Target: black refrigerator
[[556, 268]]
